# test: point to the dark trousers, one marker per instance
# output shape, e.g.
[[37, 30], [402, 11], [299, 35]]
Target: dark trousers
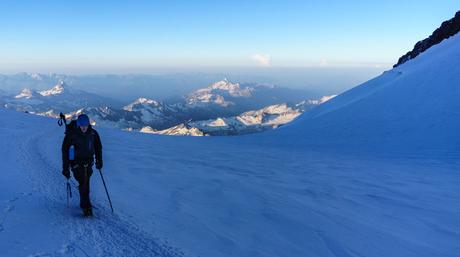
[[82, 173]]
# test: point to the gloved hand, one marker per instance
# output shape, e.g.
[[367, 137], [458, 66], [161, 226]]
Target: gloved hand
[[66, 173], [99, 164]]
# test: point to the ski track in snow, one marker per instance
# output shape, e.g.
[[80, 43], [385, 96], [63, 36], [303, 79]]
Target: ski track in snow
[[106, 234]]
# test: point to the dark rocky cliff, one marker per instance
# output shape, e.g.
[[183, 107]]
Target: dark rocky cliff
[[447, 29]]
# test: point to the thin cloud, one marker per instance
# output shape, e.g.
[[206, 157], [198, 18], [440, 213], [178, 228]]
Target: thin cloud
[[324, 63], [262, 59]]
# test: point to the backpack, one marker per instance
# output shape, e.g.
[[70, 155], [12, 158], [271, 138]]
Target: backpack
[[70, 128]]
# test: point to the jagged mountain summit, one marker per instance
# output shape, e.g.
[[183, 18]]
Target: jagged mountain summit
[[152, 112], [226, 98], [217, 94], [27, 94], [446, 30], [59, 98], [142, 103], [56, 90]]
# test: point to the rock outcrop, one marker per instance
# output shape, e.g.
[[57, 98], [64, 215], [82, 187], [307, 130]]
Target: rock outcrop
[[447, 29]]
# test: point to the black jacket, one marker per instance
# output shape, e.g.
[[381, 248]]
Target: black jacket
[[86, 145]]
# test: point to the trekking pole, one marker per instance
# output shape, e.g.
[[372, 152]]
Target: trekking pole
[[69, 193], [107, 192]]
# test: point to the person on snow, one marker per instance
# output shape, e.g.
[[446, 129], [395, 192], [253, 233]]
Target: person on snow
[[86, 145]]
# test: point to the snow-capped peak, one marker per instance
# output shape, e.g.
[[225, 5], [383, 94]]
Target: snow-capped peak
[[234, 89], [225, 85], [275, 115], [147, 129], [214, 94], [179, 130], [219, 122], [276, 109], [25, 93], [56, 90], [141, 101]]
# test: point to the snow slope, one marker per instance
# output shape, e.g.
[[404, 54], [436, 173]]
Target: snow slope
[[35, 221], [412, 108], [219, 196]]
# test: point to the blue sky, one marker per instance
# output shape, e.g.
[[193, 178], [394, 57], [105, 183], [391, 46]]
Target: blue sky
[[59, 36]]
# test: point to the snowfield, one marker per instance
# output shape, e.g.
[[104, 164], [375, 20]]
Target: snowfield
[[184, 196], [372, 172]]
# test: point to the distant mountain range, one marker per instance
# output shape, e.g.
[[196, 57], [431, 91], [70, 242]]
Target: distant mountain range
[[126, 87], [225, 98], [60, 98], [266, 118], [222, 108]]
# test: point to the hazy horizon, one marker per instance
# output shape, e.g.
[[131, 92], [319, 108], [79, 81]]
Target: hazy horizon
[[162, 84]]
